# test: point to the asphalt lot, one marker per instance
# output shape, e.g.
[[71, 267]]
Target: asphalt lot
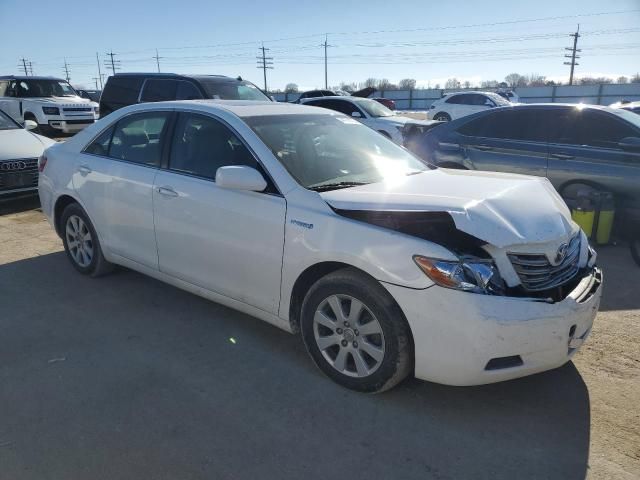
[[124, 377]]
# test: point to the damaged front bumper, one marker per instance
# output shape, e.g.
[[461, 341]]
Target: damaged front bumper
[[472, 339]]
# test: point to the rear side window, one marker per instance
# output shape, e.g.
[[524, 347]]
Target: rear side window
[[455, 99], [202, 144], [157, 90], [524, 125], [123, 90], [100, 146], [187, 91], [589, 128], [138, 138]]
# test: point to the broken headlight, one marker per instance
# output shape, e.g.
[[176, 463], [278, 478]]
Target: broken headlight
[[467, 274]]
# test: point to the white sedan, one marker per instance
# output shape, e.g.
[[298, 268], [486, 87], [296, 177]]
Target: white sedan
[[460, 104], [19, 152], [312, 222]]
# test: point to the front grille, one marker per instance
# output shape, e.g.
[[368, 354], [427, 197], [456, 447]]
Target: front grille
[[18, 173], [536, 272], [78, 109], [79, 122]]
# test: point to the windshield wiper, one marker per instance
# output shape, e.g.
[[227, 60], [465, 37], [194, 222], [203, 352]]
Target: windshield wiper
[[334, 186]]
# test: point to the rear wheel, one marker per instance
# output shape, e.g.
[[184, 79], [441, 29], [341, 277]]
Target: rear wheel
[[356, 333], [81, 242], [442, 117]]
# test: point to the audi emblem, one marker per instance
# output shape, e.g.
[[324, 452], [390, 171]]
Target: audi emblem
[[12, 166]]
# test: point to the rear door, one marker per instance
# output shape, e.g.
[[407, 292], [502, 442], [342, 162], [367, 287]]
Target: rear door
[[114, 179], [511, 140], [584, 147]]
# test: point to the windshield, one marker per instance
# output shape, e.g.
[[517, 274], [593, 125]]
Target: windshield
[[373, 108], [225, 89], [6, 123], [326, 151], [45, 88], [499, 100]]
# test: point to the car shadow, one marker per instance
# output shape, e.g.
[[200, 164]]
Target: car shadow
[[124, 374], [17, 204], [621, 278]]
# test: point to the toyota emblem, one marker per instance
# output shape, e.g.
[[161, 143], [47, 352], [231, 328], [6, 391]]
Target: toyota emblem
[[561, 253], [12, 166]]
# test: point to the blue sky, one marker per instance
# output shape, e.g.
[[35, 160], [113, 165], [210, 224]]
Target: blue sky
[[427, 41]]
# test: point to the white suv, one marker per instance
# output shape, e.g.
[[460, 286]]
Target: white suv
[[50, 102], [312, 222], [456, 105]]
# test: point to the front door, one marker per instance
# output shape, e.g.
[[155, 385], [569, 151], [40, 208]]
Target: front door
[[227, 241]]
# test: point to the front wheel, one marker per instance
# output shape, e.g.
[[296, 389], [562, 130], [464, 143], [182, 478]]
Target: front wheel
[[442, 117], [81, 242], [356, 333]]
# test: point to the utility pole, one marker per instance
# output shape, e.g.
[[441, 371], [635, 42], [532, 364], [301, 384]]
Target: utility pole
[[325, 45], [99, 72], [30, 66], [24, 66], [573, 55], [66, 70], [114, 63], [95, 79], [264, 63], [157, 57]]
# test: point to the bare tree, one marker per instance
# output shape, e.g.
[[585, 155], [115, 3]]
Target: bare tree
[[385, 84], [371, 82], [594, 80], [535, 80], [467, 84], [291, 88], [452, 83], [489, 84], [622, 79], [635, 78], [348, 87], [515, 80], [407, 84]]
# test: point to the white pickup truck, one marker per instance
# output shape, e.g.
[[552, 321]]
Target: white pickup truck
[[51, 102]]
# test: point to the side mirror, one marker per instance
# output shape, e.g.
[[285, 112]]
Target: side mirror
[[240, 177], [356, 114], [631, 144], [30, 125]]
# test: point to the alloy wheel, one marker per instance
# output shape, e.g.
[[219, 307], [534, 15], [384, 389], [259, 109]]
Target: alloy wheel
[[79, 240], [349, 336]]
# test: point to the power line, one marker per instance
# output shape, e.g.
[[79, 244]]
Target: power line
[[265, 63], [66, 70], [573, 55], [115, 64]]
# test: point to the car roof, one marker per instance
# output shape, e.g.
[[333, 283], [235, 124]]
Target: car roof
[[29, 77], [241, 108], [170, 75]]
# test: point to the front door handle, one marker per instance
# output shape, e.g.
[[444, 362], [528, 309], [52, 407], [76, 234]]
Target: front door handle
[[84, 169], [167, 191], [562, 156]]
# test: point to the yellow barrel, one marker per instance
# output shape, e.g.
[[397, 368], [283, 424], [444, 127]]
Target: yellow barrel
[[606, 213], [584, 217]]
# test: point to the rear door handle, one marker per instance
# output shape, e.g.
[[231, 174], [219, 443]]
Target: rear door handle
[[84, 169], [562, 156], [167, 191]]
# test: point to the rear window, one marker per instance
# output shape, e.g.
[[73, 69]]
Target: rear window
[[122, 89], [158, 90]]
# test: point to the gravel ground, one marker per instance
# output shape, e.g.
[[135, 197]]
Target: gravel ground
[[125, 377]]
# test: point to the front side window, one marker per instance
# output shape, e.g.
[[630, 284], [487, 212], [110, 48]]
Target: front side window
[[138, 138], [341, 106], [603, 131], [159, 90], [525, 125], [202, 144], [45, 88], [374, 109], [327, 151], [456, 99], [100, 146], [187, 91]]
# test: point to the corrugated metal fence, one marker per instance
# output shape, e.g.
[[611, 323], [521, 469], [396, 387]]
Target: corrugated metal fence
[[421, 99]]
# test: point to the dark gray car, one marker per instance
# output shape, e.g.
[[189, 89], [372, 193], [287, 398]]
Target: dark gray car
[[574, 146]]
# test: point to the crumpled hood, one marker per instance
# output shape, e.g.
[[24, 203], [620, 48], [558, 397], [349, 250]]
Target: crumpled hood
[[501, 209], [21, 144]]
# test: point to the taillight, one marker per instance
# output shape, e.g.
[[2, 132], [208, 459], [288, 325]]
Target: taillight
[[42, 162]]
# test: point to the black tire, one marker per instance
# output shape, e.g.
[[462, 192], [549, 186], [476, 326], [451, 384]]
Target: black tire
[[97, 265], [397, 361], [442, 117], [635, 250]]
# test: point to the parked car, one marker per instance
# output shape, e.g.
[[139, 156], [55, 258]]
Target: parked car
[[312, 222], [390, 104], [50, 102], [93, 95], [124, 89], [19, 152], [368, 91], [577, 147], [627, 105], [376, 116], [509, 95], [456, 105], [319, 93]]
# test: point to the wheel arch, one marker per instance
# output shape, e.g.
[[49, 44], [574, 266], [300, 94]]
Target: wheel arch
[[62, 202]]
